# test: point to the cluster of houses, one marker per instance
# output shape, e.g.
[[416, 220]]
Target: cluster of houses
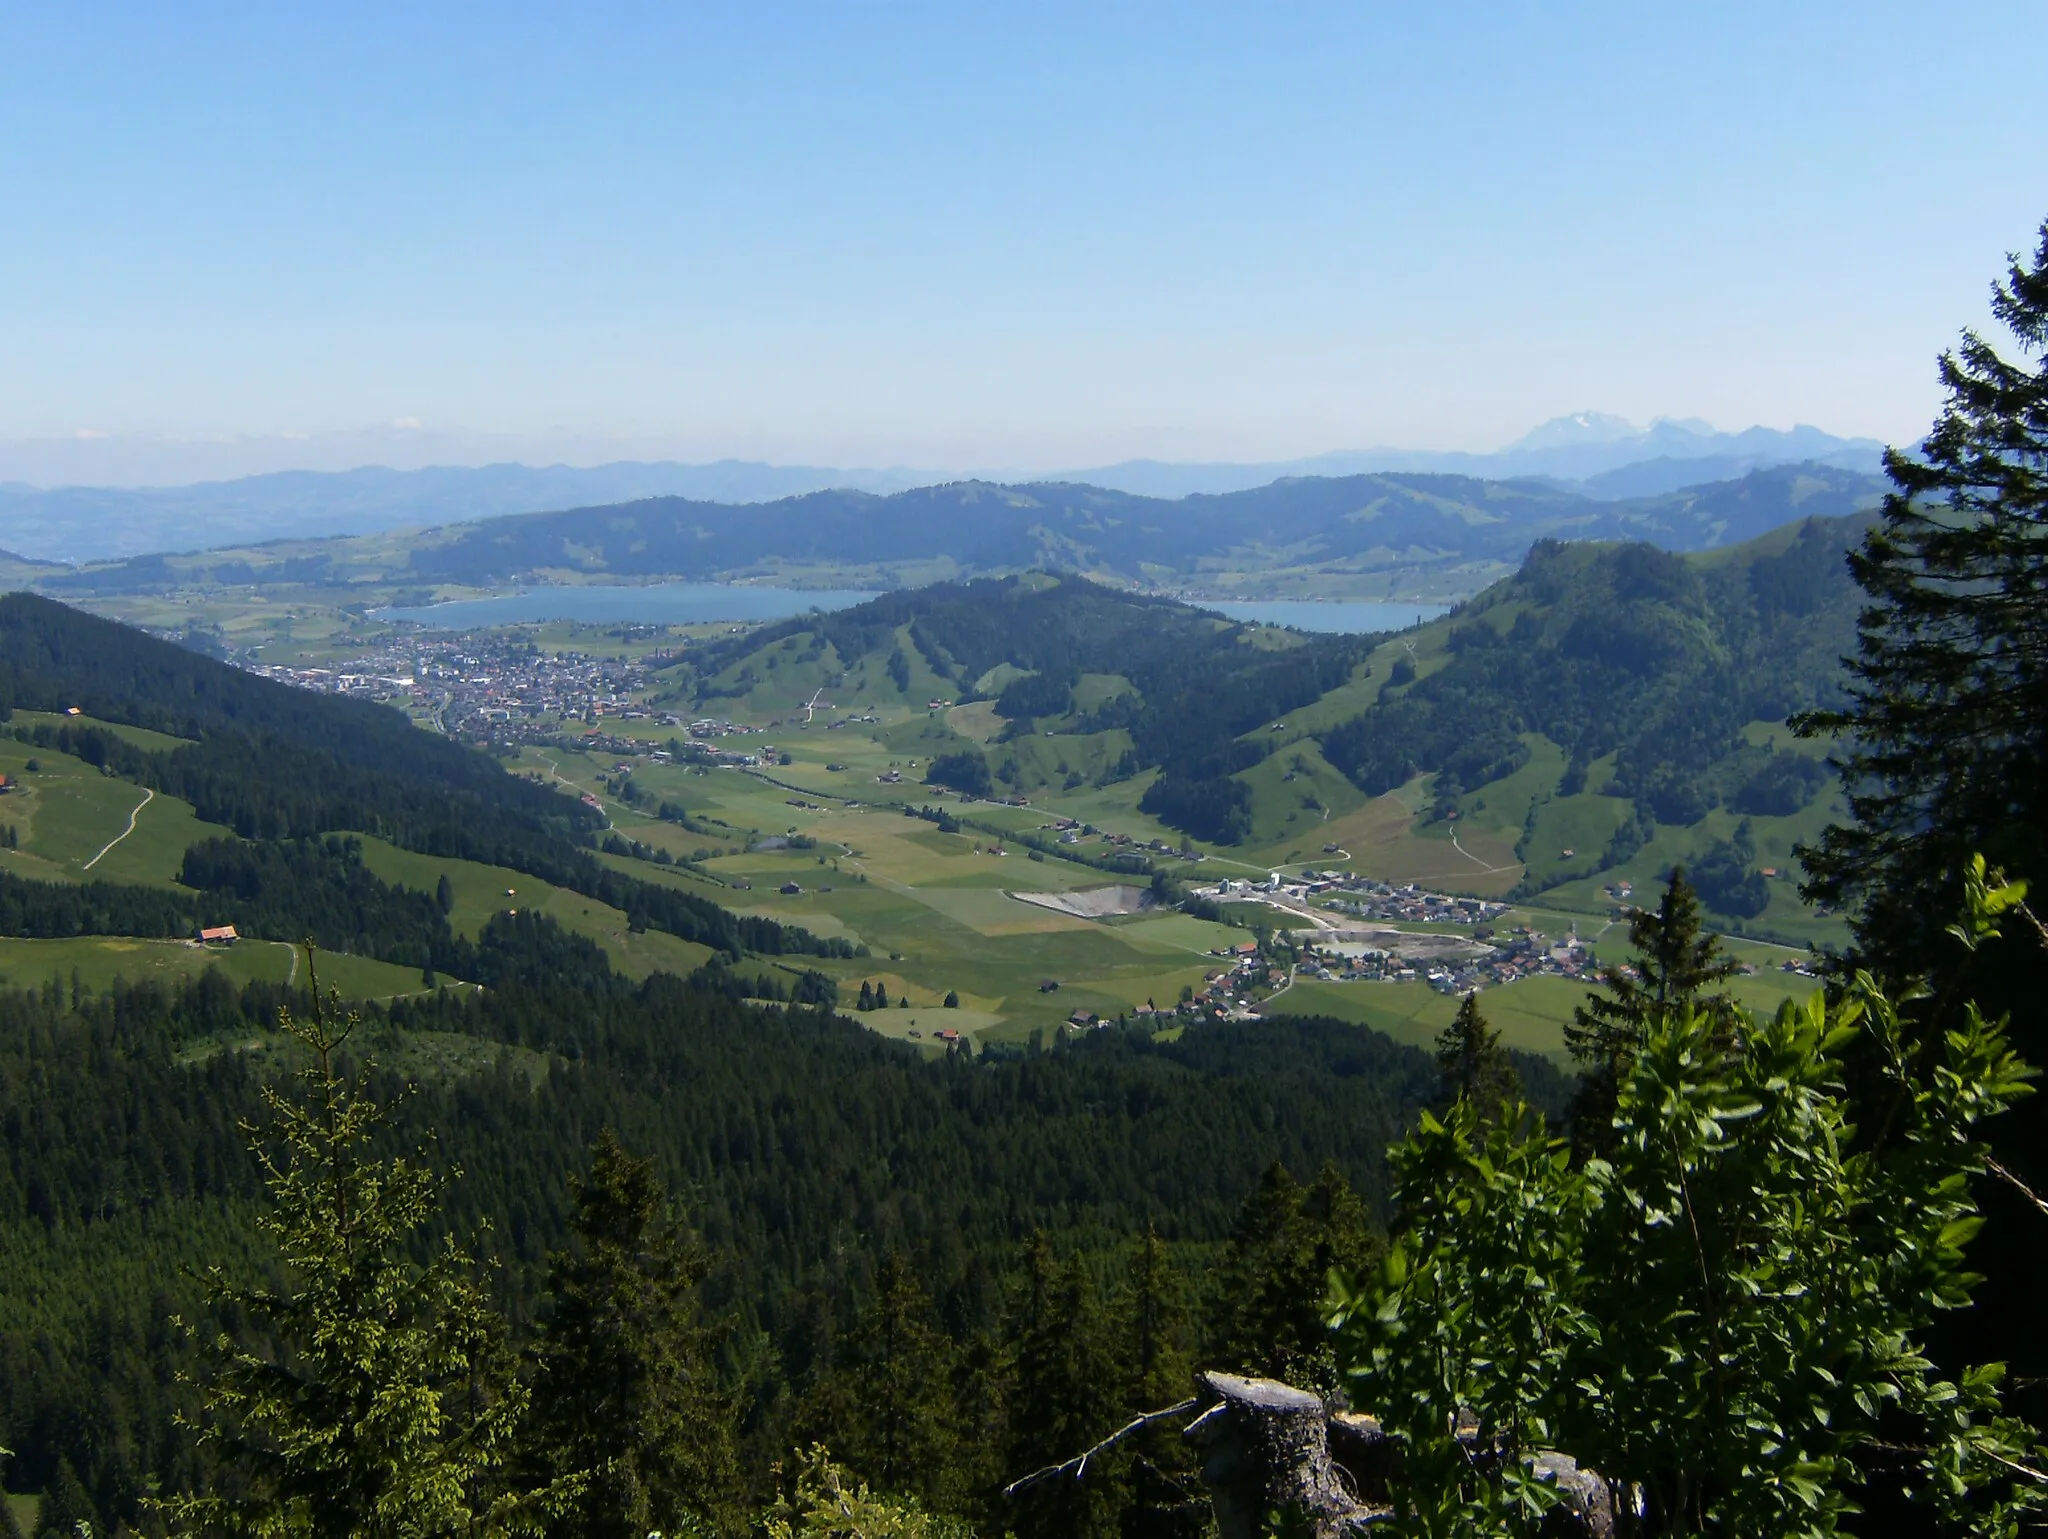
[[354, 680], [1232, 994], [1362, 897], [706, 728], [710, 753], [1074, 831], [1447, 963], [477, 687], [1369, 899]]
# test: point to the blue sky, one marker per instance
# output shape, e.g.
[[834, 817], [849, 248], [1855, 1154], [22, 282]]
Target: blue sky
[[1031, 235]]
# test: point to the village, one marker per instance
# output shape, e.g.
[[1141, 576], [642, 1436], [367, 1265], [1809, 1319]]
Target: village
[[1448, 964], [1333, 951], [486, 689], [1316, 894]]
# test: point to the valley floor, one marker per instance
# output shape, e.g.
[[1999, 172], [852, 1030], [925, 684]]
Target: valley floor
[[827, 841]]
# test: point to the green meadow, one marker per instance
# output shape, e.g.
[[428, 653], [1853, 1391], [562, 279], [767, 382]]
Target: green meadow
[[480, 891], [72, 822], [1530, 1014], [97, 962]]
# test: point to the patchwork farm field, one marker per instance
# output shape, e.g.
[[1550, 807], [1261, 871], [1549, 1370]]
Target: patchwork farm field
[[933, 908], [816, 834], [844, 752]]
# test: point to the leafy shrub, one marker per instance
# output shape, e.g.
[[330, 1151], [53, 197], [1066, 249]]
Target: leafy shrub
[[1726, 1313], [828, 1501]]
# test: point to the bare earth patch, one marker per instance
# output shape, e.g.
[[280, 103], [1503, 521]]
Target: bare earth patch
[[1096, 903]]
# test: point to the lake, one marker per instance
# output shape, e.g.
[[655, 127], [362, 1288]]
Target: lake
[[668, 603], [1348, 616], [690, 603]]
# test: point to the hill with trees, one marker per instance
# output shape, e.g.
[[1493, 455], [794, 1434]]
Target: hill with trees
[[273, 763], [1607, 708], [1367, 533]]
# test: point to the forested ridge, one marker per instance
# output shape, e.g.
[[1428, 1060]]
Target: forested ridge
[[1623, 650], [1416, 522]]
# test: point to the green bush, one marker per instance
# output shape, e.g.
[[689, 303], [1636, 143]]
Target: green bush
[[1727, 1312]]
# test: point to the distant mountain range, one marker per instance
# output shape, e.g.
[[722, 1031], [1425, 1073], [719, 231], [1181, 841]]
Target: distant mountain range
[[1395, 535], [1598, 456], [85, 523], [1590, 452]]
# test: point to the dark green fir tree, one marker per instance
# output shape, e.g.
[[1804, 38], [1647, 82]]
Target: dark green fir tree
[[625, 1394], [889, 1395], [1155, 1329], [1942, 745], [66, 1511], [375, 1396], [1943, 741], [1269, 1318], [1062, 1398], [1676, 964], [1474, 1065]]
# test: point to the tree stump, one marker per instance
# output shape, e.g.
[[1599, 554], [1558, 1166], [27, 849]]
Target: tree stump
[[1265, 1448]]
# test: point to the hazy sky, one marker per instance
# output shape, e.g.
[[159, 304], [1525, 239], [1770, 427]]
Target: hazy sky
[[1029, 235]]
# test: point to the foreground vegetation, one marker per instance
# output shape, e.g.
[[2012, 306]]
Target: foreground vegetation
[[810, 1151]]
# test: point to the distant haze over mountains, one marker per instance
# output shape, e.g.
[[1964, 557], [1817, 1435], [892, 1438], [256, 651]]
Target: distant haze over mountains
[[1591, 452], [1395, 535], [1595, 454]]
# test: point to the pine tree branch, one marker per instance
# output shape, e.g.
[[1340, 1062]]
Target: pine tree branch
[[1078, 1467]]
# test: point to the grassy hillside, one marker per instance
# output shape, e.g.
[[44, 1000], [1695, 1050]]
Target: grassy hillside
[[146, 791], [99, 962], [1609, 711]]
